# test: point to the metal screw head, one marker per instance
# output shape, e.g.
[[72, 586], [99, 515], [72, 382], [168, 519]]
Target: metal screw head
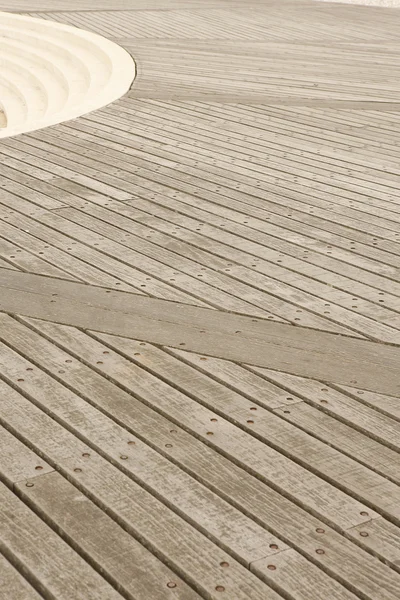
[[38, 468], [168, 445], [123, 457], [77, 470], [364, 534], [364, 513], [320, 530], [271, 567], [220, 588], [131, 443], [224, 564], [210, 433], [320, 551], [274, 546], [29, 484], [171, 584]]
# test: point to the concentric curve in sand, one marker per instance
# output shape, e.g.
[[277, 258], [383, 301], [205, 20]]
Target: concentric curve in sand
[[50, 73]]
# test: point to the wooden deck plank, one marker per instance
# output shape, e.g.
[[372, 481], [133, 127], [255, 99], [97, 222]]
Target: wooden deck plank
[[209, 268], [132, 569], [125, 563], [360, 477], [338, 359], [272, 467], [48, 562], [349, 410], [185, 549], [13, 584], [261, 392], [262, 568], [243, 538]]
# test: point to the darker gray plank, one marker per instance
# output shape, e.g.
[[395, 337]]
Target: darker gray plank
[[296, 350]]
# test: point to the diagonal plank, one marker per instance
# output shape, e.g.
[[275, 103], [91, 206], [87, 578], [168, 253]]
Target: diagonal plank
[[297, 350]]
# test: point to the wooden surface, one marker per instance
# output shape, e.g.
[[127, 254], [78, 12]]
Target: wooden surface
[[200, 313]]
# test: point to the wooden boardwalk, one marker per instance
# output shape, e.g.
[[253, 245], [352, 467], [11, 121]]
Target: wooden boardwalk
[[200, 313]]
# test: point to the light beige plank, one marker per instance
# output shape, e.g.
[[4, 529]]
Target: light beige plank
[[184, 548], [13, 584], [131, 569], [328, 357], [43, 556]]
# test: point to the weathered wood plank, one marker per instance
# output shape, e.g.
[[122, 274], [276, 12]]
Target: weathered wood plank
[[252, 168], [17, 462], [125, 563], [349, 410], [189, 553], [199, 457], [235, 532], [328, 357], [266, 462], [43, 557], [132, 569], [13, 584]]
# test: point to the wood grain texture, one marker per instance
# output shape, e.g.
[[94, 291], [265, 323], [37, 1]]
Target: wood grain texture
[[336, 359], [13, 585], [209, 268], [48, 562]]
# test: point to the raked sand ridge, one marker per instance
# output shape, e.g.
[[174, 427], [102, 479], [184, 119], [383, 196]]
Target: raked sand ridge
[[50, 73]]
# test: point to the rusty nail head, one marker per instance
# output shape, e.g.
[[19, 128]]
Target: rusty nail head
[[220, 588], [250, 422], [320, 551], [364, 513], [253, 408], [29, 484], [271, 567], [210, 433], [86, 454], [274, 546], [224, 564], [131, 443], [214, 420], [171, 584], [38, 468], [320, 530]]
